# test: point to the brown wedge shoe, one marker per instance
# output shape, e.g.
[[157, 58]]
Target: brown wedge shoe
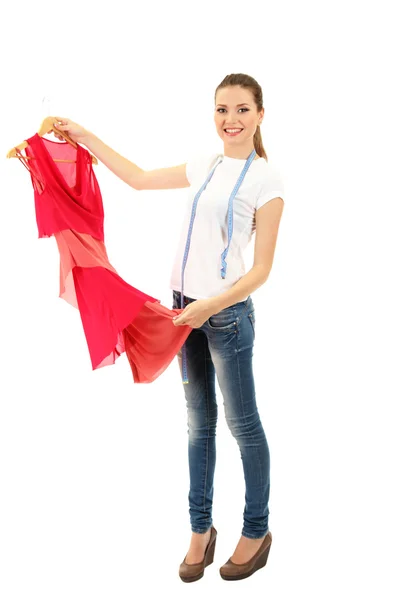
[[231, 571], [189, 573]]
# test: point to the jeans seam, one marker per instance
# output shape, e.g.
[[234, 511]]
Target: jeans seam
[[245, 311], [208, 422], [250, 315], [244, 415]]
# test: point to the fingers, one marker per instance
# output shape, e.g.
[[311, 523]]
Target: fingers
[[63, 123], [60, 127]]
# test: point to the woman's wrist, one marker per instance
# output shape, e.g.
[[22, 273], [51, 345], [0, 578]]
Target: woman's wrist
[[88, 137], [118, 164]]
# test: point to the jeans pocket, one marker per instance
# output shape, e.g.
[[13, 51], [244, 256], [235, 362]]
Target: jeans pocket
[[224, 320]]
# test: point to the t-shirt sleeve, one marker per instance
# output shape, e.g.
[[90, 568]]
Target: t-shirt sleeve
[[191, 168], [271, 187], [199, 166]]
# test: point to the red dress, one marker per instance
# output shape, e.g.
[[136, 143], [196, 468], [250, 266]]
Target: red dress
[[116, 317]]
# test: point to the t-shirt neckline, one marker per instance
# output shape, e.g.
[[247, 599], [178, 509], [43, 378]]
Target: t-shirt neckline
[[229, 159]]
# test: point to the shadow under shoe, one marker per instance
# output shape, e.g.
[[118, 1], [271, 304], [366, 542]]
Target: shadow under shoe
[[231, 571], [189, 573]]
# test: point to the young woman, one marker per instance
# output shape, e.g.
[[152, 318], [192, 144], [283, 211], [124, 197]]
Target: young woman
[[232, 195]]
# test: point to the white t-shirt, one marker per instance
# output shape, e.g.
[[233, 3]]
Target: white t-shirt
[[262, 182]]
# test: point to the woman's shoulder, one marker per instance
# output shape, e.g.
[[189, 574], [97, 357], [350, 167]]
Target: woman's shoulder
[[200, 164], [270, 173], [204, 158], [271, 184], [269, 167]]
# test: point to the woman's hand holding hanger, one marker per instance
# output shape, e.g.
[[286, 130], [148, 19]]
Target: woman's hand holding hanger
[[76, 132], [123, 168]]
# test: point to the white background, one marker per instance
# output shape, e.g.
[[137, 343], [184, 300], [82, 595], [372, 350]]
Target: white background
[[93, 468]]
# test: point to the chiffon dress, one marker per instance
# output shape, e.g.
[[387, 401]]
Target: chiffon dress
[[116, 317]]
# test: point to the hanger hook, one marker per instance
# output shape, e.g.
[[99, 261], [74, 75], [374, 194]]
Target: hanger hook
[[46, 105]]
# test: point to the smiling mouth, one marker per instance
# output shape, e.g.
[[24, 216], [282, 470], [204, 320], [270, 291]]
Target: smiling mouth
[[234, 133]]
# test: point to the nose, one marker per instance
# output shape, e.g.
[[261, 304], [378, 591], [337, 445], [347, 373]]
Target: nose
[[230, 123], [230, 120]]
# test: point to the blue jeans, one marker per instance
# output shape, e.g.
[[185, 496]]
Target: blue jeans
[[223, 346]]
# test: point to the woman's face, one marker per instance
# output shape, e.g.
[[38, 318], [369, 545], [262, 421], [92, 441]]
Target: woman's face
[[235, 109]]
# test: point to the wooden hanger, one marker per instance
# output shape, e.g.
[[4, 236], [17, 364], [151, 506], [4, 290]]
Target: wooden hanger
[[47, 126]]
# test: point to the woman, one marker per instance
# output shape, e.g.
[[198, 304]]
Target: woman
[[219, 308]]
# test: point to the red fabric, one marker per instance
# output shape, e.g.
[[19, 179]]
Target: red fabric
[[116, 317]]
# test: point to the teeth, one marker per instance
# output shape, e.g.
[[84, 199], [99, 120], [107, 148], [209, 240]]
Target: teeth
[[232, 130]]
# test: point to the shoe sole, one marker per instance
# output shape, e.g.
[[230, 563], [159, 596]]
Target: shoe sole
[[261, 562]]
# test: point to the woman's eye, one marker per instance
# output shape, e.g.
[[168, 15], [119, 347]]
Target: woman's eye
[[245, 109]]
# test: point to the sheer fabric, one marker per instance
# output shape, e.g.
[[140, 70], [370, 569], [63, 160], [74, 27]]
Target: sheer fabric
[[116, 317]]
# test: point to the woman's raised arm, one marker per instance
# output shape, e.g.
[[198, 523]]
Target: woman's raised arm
[[156, 179]]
